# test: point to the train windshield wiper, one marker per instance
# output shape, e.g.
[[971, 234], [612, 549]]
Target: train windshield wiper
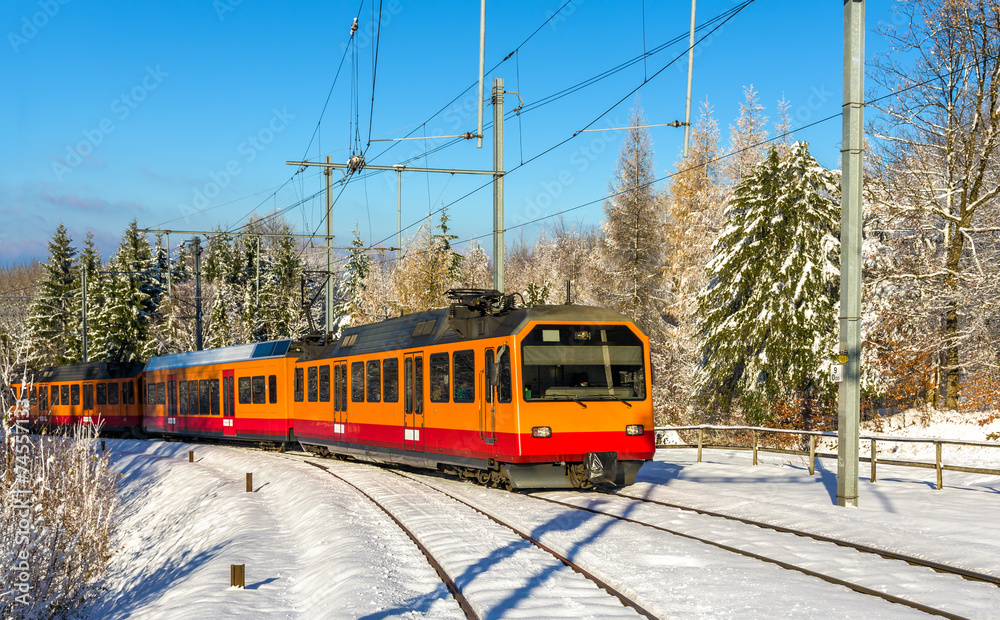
[[572, 398], [618, 398]]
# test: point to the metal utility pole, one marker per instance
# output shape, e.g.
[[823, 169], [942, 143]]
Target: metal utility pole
[[83, 297], [199, 344], [498, 244], [170, 271], [850, 254], [687, 113], [399, 206], [482, 67], [328, 171]]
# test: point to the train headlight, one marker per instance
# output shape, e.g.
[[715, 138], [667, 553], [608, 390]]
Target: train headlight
[[541, 432], [633, 430]]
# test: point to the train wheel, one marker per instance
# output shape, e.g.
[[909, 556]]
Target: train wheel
[[482, 477]]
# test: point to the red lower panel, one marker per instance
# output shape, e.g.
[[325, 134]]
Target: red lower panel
[[509, 447]]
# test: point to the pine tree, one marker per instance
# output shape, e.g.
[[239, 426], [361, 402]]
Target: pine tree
[[746, 138], [633, 241], [54, 317], [131, 293], [769, 311], [347, 311]]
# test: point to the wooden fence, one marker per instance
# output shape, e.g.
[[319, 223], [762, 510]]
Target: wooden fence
[[757, 431]]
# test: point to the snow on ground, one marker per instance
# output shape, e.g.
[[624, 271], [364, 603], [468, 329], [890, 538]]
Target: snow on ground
[[315, 548]]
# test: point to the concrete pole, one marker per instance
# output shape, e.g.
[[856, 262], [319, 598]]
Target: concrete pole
[[498, 226], [328, 171], [687, 113], [850, 254]]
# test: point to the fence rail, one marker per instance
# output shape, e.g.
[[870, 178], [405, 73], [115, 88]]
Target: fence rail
[[757, 431]]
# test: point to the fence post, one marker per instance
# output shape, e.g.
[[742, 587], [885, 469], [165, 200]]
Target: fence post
[[700, 434], [190, 456], [237, 575], [940, 482], [812, 455], [874, 458], [249, 482], [754, 447]]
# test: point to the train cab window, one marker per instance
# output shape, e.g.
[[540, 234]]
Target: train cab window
[[373, 372], [589, 362], [464, 368], [272, 389], [324, 383], [358, 382], [74, 394], [161, 393], [101, 394], [257, 386], [313, 383], [184, 397], [439, 377], [213, 395], [55, 395], [113, 393], [299, 385], [390, 380]]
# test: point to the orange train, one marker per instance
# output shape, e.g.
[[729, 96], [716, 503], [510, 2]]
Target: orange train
[[546, 396]]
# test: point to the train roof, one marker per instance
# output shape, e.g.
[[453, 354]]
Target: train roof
[[224, 355], [413, 331], [91, 371]]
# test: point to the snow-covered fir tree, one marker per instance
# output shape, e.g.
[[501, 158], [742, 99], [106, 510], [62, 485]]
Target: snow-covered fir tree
[[354, 282], [632, 250], [769, 311], [54, 316]]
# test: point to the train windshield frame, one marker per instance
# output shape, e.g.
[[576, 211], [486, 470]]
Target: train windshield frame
[[583, 362]]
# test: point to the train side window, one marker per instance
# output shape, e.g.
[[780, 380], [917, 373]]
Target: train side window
[[324, 383], [299, 385], [313, 383], [33, 397], [418, 384], [464, 367], [43, 398], [257, 386], [439, 377], [55, 395], [337, 380], [504, 392], [131, 393], [184, 397], [172, 396], [101, 394], [272, 389], [213, 385], [244, 389], [343, 387], [390, 380], [161, 393], [204, 389], [151, 393], [373, 373], [113, 393], [358, 382], [88, 396], [489, 373], [74, 394], [193, 397]]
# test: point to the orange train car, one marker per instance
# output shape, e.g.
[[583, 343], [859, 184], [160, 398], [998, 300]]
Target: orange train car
[[90, 393], [239, 392], [546, 396]]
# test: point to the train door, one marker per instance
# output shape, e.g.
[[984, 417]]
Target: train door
[[171, 403], [340, 400], [488, 401], [88, 404], [413, 402], [228, 402]]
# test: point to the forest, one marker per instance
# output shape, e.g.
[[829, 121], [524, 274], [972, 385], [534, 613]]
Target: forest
[[730, 265]]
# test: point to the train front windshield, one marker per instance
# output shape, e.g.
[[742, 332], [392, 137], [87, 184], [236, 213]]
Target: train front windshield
[[583, 362]]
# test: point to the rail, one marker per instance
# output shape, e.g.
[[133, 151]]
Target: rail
[[757, 431]]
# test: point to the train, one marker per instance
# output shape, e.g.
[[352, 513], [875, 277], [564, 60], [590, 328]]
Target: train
[[546, 396]]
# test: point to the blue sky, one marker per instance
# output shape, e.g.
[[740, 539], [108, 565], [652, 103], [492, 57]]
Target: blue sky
[[159, 110]]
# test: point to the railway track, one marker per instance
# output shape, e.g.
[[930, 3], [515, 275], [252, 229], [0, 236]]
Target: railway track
[[470, 584]]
